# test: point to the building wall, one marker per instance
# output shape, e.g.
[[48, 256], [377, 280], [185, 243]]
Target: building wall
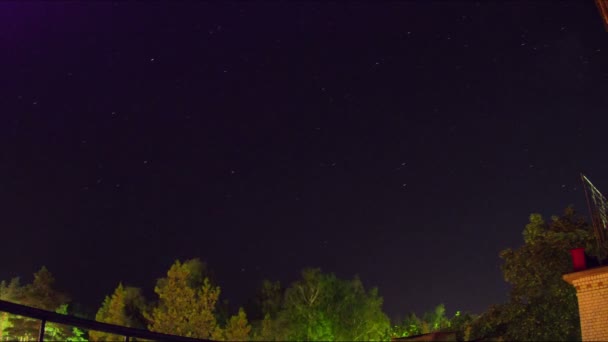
[[592, 292]]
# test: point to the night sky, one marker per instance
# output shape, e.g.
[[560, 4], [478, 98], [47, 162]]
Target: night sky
[[404, 142]]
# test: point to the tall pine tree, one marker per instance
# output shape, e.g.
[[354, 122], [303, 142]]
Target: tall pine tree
[[124, 307], [187, 302]]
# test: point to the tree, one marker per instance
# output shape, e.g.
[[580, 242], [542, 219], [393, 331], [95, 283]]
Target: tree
[[439, 319], [187, 302], [269, 299], [124, 307], [265, 330], [11, 292], [461, 324], [542, 306], [237, 328], [360, 316], [41, 294], [432, 321], [411, 325], [321, 307], [263, 310], [60, 332]]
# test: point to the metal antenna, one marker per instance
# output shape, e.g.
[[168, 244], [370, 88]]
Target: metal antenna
[[598, 209]]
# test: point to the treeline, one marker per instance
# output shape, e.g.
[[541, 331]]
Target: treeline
[[322, 307], [317, 307]]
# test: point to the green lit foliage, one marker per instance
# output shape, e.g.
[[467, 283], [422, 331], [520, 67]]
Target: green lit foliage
[[461, 324], [125, 307], [411, 325], [432, 321], [77, 336], [321, 307], [436, 320], [60, 332], [187, 301], [11, 292], [359, 313], [41, 294], [542, 306]]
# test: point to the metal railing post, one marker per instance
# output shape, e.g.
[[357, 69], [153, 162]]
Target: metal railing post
[[41, 330]]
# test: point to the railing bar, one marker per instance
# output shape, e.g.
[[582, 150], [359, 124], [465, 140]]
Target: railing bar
[[26, 311], [41, 330]]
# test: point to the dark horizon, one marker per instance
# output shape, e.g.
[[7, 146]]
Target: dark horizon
[[406, 143]]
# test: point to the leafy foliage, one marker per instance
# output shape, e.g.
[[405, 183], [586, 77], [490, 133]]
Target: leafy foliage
[[542, 307], [187, 302], [237, 328], [433, 321], [321, 307], [41, 294], [11, 292], [124, 307]]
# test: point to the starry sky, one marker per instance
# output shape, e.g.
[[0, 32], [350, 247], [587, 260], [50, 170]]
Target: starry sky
[[404, 142]]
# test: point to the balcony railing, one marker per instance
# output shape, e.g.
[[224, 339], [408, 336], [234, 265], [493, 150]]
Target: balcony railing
[[47, 316]]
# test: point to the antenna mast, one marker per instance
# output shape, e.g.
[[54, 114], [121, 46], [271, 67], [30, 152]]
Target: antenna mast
[[598, 209]]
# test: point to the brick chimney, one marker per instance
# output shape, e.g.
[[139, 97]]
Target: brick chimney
[[592, 292]]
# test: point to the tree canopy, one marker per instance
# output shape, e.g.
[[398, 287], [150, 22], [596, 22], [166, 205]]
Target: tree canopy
[[125, 307], [542, 306], [320, 306], [186, 303]]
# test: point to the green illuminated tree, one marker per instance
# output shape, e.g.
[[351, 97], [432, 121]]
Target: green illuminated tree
[[461, 324], [60, 332], [124, 307], [11, 292], [432, 321], [542, 306], [321, 307], [187, 302], [41, 294], [437, 319], [411, 325]]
